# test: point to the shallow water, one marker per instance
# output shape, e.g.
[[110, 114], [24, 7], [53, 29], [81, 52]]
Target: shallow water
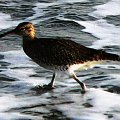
[[93, 23]]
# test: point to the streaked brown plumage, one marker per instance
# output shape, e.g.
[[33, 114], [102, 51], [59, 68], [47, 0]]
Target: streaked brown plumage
[[58, 54]]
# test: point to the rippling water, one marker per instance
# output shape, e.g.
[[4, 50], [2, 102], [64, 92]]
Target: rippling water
[[93, 23]]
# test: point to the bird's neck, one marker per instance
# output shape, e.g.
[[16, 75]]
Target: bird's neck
[[29, 37], [28, 42]]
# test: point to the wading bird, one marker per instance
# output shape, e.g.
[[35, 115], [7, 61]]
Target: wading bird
[[59, 54]]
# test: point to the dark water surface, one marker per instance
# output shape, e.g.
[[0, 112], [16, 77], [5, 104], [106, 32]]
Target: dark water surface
[[93, 23]]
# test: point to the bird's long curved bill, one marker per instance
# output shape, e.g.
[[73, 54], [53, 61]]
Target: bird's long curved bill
[[7, 33]]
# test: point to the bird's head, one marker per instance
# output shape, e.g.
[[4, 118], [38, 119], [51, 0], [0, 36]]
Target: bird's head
[[24, 29]]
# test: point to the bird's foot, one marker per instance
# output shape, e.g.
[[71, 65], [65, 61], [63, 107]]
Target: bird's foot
[[37, 88], [84, 89], [44, 87], [48, 87]]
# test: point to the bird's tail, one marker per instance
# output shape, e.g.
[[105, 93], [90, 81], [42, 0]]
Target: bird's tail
[[102, 55]]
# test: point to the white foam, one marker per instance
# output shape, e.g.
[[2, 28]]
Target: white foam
[[6, 102], [16, 115], [108, 34], [15, 56], [9, 101], [39, 11], [4, 16], [110, 8], [40, 7], [18, 59], [4, 21], [102, 102], [21, 67]]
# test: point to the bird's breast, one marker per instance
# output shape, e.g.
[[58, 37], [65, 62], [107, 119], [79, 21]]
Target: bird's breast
[[42, 56]]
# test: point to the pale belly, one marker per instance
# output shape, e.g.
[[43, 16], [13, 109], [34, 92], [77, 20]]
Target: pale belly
[[69, 69], [84, 66]]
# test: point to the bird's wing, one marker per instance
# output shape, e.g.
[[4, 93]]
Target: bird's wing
[[63, 52]]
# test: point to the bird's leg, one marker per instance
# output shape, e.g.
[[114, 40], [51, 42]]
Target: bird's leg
[[51, 84], [83, 86], [46, 87]]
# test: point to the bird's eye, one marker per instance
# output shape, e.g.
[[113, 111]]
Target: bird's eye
[[22, 29]]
